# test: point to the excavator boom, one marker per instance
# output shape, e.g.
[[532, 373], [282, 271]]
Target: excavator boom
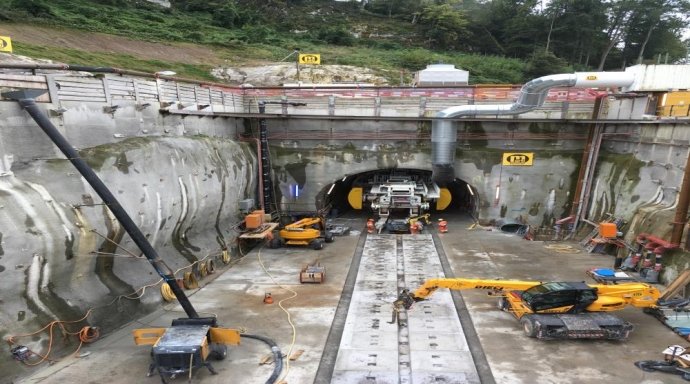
[[551, 310], [430, 286]]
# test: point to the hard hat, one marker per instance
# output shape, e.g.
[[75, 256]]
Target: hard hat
[[440, 219]]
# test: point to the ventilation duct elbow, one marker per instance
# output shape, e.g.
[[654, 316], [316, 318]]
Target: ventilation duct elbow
[[532, 95]]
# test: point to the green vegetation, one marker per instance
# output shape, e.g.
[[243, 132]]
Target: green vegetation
[[103, 59], [498, 41]]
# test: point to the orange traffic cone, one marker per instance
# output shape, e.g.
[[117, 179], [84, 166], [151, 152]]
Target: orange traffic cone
[[268, 299], [442, 226], [370, 226]]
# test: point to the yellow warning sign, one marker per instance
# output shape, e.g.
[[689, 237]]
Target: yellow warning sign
[[591, 77], [522, 158], [310, 58], [5, 44]]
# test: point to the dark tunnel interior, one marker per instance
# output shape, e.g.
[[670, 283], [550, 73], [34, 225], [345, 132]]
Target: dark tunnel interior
[[333, 198]]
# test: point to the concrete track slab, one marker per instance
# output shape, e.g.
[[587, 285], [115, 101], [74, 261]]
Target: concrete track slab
[[412, 362]]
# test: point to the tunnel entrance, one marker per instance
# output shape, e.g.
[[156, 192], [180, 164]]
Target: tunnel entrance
[[342, 196]]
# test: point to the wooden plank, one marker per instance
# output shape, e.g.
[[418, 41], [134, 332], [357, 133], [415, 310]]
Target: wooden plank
[[29, 78], [262, 234], [266, 359], [676, 285], [128, 87], [62, 93], [147, 96], [76, 79], [121, 84], [74, 98], [80, 86], [295, 355], [22, 84]]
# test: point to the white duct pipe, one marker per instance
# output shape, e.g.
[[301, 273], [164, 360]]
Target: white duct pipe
[[532, 96]]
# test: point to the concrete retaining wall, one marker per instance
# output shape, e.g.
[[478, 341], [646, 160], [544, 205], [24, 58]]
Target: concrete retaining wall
[[638, 178], [180, 179]]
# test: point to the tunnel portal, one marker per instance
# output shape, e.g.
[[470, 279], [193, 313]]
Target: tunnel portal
[[355, 194]]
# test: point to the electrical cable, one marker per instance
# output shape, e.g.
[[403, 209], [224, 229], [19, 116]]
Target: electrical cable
[[50, 326], [114, 243], [189, 280], [89, 334], [225, 256], [167, 293], [280, 304], [203, 270]]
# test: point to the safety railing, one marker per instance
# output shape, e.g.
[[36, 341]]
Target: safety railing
[[208, 98]]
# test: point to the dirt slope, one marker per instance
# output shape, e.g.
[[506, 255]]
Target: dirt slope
[[98, 42], [259, 74]]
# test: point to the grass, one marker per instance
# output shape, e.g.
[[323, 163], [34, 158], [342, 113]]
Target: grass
[[385, 45], [79, 57]]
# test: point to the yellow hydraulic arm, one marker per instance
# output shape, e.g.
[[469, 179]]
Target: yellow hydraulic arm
[[431, 285], [306, 222], [616, 296]]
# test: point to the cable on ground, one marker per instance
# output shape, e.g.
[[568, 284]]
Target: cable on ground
[[189, 280], [280, 304]]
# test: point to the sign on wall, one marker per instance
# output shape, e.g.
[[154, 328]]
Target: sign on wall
[[5, 44], [518, 158], [310, 58]]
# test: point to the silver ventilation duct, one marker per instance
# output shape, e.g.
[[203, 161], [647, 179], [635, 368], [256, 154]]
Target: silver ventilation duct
[[532, 96]]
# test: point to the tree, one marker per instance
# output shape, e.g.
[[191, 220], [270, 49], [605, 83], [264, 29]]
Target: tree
[[444, 26], [545, 63], [662, 17], [576, 29]]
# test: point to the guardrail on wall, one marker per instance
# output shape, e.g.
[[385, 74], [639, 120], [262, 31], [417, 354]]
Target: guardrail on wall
[[321, 100]]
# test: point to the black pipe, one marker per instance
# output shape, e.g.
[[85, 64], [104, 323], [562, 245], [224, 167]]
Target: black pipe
[[277, 356], [26, 100]]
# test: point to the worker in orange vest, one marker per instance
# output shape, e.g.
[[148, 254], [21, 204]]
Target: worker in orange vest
[[370, 226], [442, 226]]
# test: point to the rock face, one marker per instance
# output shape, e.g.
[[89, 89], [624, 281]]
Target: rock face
[[284, 74]]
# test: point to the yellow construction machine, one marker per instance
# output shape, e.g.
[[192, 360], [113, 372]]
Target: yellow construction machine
[[554, 310], [307, 231]]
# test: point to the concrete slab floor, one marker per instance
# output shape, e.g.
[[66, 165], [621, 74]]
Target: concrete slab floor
[[236, 298]]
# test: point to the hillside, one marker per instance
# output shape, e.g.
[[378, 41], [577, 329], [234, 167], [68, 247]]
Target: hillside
[[148, 38], [497, 41]]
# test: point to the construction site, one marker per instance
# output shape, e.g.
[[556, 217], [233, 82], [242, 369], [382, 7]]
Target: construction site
[[154, 229]]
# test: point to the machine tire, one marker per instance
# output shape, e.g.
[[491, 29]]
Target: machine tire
[[316, 244], [502, 303], [686, 376], [646, 365], [529, 326], [276, 243], [328, 236], [218, 351]]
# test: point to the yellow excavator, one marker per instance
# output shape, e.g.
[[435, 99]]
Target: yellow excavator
[[308, 231], [554, 310]]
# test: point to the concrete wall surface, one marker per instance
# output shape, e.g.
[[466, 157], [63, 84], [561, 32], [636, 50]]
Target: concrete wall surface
[[58, 257], [638, 177], [537, 194]]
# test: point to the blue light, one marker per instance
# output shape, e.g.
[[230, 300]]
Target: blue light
[[296, 190]]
